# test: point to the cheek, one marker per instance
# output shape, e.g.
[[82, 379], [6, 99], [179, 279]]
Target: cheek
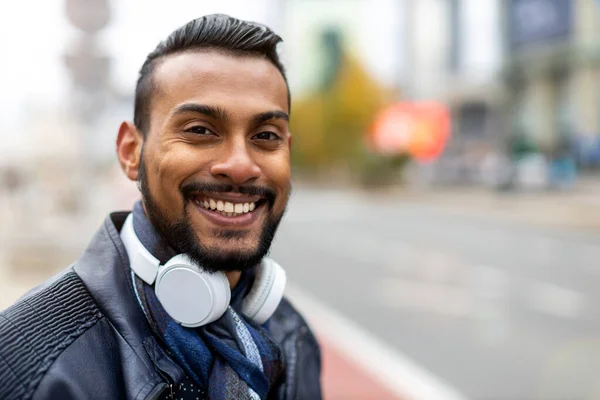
[[179, 160], [171, 168], [277, 171]]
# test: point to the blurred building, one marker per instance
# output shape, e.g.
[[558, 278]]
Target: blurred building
[[552, 74], [426, 47], [455, 56], [473, 60]]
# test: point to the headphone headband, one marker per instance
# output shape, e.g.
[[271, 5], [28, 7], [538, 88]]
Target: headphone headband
[[142, 262]]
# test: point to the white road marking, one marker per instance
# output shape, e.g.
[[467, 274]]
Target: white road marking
[[423, 296], [392, 369], [490, 283], [555, 300]]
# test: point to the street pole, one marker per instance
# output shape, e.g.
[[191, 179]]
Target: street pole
[[89, 69], [406, 37]]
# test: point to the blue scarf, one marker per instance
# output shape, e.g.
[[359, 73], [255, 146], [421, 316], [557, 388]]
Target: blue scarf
[[231, 358]]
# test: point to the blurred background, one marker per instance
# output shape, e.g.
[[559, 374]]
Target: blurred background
[[446, 157]]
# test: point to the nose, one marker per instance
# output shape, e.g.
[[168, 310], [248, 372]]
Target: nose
[[235, 164]]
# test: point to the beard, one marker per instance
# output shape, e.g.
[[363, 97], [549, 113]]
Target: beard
[[181, 236]]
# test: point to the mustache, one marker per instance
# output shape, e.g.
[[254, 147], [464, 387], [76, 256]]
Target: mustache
[[191, 188]]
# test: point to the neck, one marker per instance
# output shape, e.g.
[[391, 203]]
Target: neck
[[233, 277]]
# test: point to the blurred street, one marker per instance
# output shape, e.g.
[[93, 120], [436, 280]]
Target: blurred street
[[495, 309]]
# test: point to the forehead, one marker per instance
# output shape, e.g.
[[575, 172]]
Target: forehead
[[217, 78]]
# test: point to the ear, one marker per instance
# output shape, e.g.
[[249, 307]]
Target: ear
[[129, 147], [290, 140]]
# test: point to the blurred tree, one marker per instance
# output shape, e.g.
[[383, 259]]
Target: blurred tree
[[329, 125]]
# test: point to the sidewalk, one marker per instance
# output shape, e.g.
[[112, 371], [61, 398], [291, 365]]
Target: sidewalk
[[577, 209]]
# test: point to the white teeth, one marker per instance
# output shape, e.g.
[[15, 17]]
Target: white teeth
[[228, 208]]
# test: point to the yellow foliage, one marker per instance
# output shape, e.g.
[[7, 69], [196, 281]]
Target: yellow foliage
[[329, 126]]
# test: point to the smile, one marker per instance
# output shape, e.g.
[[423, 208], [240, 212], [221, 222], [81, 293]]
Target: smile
[[227, 208], [229, 211]]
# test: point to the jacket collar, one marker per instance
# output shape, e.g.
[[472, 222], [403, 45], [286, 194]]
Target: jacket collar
[[104, 269]]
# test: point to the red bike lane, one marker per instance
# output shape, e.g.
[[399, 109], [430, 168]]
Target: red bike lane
[[344, 379]]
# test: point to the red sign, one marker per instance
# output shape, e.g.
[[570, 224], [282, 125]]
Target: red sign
[[421, 129]]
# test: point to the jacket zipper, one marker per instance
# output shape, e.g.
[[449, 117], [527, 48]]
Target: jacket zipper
[[169, 382], [159, 390], [163, 386]]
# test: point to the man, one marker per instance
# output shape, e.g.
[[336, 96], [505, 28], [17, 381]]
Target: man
[[176, 299]]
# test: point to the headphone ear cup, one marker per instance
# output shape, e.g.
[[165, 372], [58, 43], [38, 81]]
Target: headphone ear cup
[[191, 296], [266, 293]]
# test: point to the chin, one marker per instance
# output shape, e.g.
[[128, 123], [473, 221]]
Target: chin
[[231, 239], [232, 249], [228, 261], [233, 252]]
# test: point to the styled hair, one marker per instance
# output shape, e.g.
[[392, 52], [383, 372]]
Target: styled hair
[[211, 32]]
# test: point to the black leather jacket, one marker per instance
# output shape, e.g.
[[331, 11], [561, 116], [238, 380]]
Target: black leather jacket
[[82, 335]]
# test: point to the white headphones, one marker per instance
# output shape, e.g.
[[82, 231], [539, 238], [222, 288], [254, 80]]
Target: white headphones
[[194, 297]]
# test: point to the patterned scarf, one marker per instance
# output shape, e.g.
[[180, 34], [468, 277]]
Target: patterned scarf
[[231, 358]]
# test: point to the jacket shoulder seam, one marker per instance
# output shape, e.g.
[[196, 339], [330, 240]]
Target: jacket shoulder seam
[[37, 329], [10, 368]]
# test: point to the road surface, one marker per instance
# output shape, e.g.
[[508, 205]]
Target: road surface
[[490, 309]]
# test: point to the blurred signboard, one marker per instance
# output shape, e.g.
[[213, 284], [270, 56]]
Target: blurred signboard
[[533, 22], [420, 129]]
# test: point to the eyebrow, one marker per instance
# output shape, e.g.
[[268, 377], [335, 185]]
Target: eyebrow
[[209, 111], [217, 112], [265, 116]]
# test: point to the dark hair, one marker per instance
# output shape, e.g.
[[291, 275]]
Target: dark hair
[[213, 32]]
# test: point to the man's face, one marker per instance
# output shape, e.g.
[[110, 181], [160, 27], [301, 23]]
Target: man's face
[[215, 165]]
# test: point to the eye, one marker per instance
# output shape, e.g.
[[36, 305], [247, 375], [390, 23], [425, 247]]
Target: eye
[[200, 130], [266, 136]]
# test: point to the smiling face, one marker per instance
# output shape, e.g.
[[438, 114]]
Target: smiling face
[[214, 167]]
